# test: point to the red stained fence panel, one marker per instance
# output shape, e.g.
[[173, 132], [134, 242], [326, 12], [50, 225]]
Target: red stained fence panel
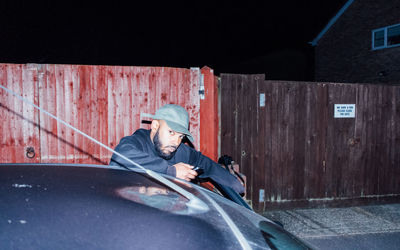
[[104, 102]]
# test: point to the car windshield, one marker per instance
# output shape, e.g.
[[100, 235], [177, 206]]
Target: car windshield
[[268, 232]]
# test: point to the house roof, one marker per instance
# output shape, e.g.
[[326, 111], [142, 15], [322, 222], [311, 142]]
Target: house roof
[[331, 23]]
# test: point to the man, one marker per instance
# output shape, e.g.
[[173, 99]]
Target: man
[[160, 149]]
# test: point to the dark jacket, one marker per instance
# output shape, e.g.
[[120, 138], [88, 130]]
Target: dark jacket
[[140, 149]]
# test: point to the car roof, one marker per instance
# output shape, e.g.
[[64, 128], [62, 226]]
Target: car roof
[[80, 206]]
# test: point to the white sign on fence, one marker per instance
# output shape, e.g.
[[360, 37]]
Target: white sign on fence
[[345, 111], [262, 100], [261, 195]]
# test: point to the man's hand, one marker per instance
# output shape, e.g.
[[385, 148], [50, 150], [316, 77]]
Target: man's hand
[[185, 171]]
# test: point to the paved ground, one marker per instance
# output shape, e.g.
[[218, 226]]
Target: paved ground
[[360, 227]]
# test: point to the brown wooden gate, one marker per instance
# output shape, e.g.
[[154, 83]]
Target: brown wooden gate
[[293, 150]]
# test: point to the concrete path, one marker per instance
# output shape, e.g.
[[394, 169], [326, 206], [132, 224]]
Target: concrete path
[[361, 227]]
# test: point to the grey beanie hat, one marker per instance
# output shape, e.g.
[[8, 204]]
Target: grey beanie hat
[[175, 116]]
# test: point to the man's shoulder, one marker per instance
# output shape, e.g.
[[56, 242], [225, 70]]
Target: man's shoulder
[[139, 135]]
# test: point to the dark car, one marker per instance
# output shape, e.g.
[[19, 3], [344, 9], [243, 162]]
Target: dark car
[[60, 206]]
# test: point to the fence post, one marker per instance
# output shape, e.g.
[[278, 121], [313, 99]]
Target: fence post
[[209, 115]]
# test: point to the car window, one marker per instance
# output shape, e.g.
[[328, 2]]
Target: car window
[[268, 232]]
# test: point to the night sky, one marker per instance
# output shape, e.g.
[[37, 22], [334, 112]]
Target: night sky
[[269, 37]]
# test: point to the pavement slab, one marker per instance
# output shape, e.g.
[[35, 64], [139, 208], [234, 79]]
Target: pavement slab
[[361, 227]]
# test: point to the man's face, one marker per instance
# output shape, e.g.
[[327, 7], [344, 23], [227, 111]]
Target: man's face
[[166, 141]]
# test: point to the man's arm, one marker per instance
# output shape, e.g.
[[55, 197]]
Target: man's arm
[[133, 150], [214, 171]]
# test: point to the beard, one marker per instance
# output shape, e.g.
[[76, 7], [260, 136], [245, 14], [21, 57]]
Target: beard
[[158, 147]]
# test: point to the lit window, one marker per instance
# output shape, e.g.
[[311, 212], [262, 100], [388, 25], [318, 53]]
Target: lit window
[[386, 37]]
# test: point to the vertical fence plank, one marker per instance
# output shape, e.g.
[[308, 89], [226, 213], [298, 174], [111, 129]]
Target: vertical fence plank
[[192, 104], [321, 102], [242, 124], [14, 77], [384, 140], [267, 114], [361, 156], [83, 113], [227, 110], [75, 112], [275, 153], [260, 144], [99, 77], [49, 126], [370, 174], [30, 129], [5, 116], [300, 184], [250, 135], [60, 103], [237, 102], [288, 140], [309, 152], [396, 139], [256, 142]]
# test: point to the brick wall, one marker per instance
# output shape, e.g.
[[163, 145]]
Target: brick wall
[[344, 53]]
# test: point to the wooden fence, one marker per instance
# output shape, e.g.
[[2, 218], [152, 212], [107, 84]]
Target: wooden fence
[[293, 150], [283, 134], [104, 102]]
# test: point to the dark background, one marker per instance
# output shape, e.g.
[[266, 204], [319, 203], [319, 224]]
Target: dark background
[[269, 37]]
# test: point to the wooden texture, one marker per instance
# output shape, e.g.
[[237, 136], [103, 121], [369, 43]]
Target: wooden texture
[[104, 102], [19, 121], [209, 115], [296, 150]]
